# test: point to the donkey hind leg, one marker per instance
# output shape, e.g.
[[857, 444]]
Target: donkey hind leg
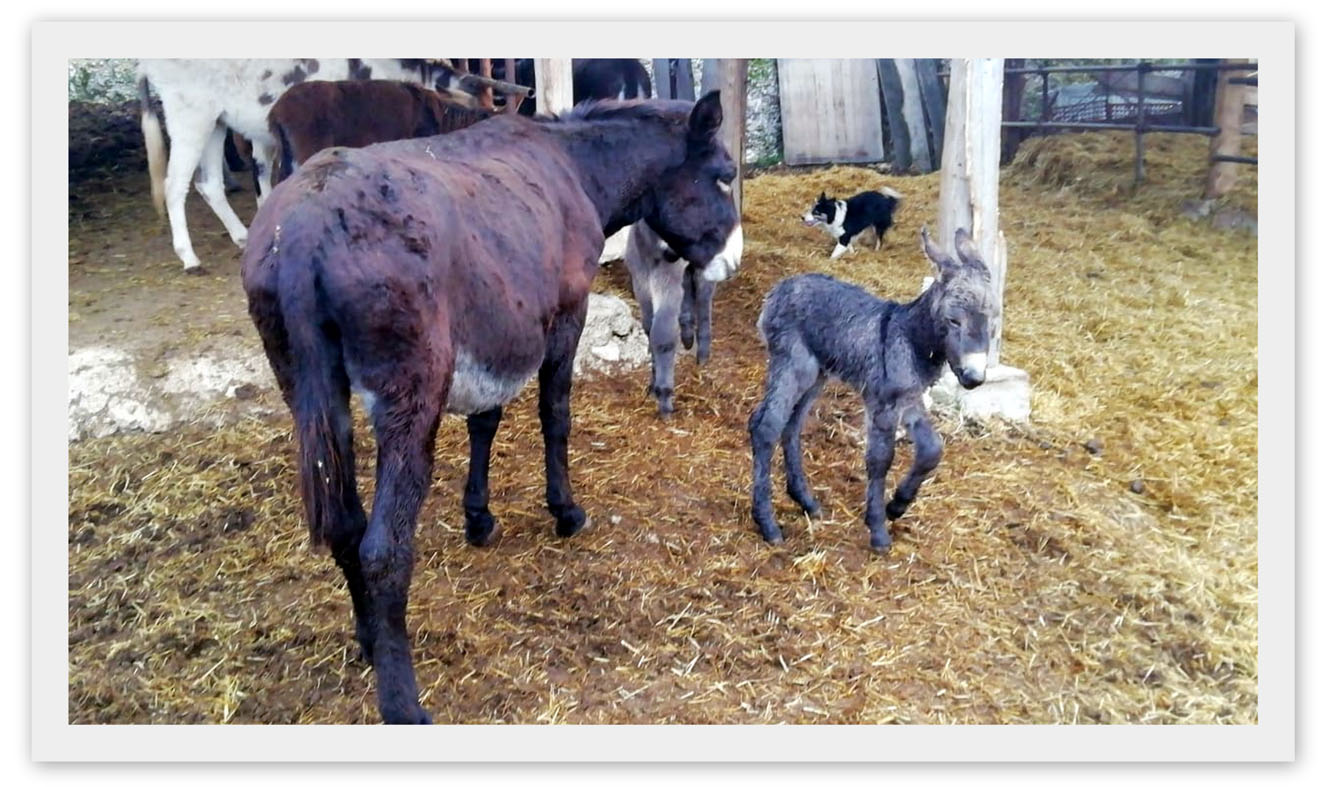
[[698, 301], [264, 156], [687, 314], [405, 427], [793, 371], [212, 186], [343, 538], [927, 455], [188, 132], [666, 293], [555, 390], [882, 420], [481, 528], [791, 440]]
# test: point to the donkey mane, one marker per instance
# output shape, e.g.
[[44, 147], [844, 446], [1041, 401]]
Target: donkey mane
[[631, 109]]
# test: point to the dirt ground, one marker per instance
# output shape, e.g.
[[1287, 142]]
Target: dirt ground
[[1095, 565]]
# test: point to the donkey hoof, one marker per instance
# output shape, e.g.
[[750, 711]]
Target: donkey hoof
[[665, 408], [702, 357], [896, 508], [483, 532], [812, 509], [880, 541], [570, 522], [194, 270], [416, 715]]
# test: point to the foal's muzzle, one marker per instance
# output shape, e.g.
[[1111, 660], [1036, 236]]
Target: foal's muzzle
[[724, 264], [972, 370]]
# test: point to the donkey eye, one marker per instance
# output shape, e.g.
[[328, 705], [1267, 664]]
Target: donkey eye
[[953, 322]]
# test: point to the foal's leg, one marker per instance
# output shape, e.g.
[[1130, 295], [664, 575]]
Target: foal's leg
[[792, 372], [927, 455], [480, 525], [791, 440], [405, 427], [555, 381], [882, 419]]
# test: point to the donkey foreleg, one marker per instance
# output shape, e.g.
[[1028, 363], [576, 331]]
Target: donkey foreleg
[[882, 420], [927, 455], [555, 391], [481, 527]]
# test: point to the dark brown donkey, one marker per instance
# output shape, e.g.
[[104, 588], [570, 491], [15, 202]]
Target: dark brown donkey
[[442, 273], [316, 115]]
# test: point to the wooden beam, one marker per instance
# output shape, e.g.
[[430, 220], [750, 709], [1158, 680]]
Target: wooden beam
[[553, 84], [933, 104], [729, 77], [892, 96], [663, 85], [1227, 116], [970, 173], [914, 115]]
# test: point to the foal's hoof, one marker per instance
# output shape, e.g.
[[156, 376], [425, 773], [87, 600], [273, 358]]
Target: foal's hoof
[[195, 270], [570, 522], [880, 541], [416, 715], [896, 508], [482, 530]]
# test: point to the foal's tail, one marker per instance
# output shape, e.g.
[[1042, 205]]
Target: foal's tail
[[156, 147], [320, 402]]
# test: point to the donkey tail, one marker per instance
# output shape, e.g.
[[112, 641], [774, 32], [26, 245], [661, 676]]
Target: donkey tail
[[156, 147], [891, 193], [319, 401], [285, 151]]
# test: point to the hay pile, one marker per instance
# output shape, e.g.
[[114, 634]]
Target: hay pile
[[1028, 584]]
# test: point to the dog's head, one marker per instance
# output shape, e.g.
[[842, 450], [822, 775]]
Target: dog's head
[[822, 211]]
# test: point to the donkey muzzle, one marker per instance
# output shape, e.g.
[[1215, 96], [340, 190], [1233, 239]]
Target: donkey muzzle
[[724, 264], [972, 370]]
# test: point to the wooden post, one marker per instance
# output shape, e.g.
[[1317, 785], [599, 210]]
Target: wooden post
[[729, 77], [486, 93], [553, 84], [1227, 115], [1011, 109], [892, 96], [663, 84], [913, 114], [684, 85], [933, 104], [513, 102], [970, 172]]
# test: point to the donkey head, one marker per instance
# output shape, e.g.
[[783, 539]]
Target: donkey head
[[962, 311], [692, 207]]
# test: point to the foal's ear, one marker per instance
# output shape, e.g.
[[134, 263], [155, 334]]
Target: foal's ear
[[706, 118], [822, 199], [968, 251], [945, 264]]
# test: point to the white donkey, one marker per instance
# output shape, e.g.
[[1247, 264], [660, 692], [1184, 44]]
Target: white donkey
[[202, 98]]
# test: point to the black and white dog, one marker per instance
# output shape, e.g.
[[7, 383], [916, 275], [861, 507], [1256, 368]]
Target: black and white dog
[[845, 220]]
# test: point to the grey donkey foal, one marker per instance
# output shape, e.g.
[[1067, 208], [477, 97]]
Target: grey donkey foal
[[675, 300], [816, 327]]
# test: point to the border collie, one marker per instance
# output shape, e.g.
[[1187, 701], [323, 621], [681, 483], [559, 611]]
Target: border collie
[[846, 220]]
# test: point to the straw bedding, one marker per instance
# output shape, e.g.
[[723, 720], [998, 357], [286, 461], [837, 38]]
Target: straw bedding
[[1095, 565]]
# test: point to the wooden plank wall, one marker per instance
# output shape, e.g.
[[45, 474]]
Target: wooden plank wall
[[830, 111]]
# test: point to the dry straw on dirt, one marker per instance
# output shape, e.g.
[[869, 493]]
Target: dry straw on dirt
[[1096, 565]]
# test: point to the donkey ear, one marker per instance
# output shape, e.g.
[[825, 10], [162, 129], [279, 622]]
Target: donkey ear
[[706, 118], [945, 264], [967, 250], [822, 196]]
